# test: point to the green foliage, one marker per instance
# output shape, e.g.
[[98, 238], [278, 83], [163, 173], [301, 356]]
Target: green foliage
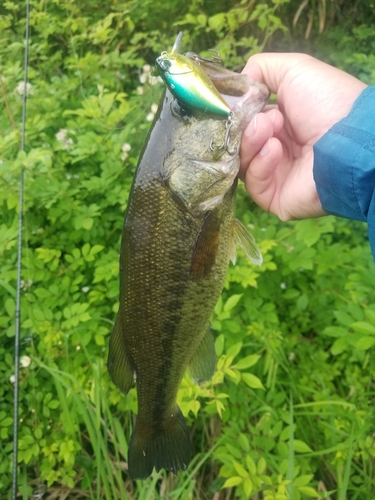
[[289, 412]]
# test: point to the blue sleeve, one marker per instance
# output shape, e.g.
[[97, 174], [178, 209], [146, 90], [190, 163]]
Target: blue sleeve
[[344, 165]]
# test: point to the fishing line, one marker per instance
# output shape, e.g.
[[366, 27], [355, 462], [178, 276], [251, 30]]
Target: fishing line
[[19, 265]]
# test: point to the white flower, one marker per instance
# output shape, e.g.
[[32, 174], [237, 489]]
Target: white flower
[[12, 379], [126, 147], [25, 361], [78, 347], [61, 135], [283, 286], [154, 107], [26, 284], [140, 90], [20, 89], [143, 78], [150, 117], [85, 289], [124, 156], [155, 79], [146, 68], [63, 139]]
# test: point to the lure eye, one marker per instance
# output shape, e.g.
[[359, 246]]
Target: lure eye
[[165, 64]]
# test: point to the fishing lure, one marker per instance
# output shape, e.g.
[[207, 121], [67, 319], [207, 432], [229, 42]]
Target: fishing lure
[[189, 84]]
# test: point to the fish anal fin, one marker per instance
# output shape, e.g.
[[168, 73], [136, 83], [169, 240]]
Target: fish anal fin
[[119, 365], [205, 248], [203, 363], [165, 447], [246, 242]]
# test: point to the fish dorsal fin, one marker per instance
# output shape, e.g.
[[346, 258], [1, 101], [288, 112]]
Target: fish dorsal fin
[[205, 248], [246, 242], [119, 365], [203, 363]]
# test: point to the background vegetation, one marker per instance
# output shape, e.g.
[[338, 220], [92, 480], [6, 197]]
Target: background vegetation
[[290, 411]]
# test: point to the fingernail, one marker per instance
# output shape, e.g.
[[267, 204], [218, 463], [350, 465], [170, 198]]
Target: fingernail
[[250, 130], [265, 149]]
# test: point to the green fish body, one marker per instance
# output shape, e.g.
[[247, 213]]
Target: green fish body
[[176, 245]]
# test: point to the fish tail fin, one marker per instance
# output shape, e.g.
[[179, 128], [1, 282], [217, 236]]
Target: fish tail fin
[[167, 447]]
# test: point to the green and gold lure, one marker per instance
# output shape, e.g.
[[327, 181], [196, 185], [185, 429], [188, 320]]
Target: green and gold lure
[[189, 84]]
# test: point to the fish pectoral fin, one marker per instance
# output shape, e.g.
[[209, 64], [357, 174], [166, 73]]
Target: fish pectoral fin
[[206, 247], [119, 365], [165, 446], [242, 237], [203, 363]]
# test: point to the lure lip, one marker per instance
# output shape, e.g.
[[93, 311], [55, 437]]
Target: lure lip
[[177, 43]]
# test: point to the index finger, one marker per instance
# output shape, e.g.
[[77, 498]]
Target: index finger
[[271, 68]]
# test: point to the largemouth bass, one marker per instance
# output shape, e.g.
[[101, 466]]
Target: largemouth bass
[[176, 245]]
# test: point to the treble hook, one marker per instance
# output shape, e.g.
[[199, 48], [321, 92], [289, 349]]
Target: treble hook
[[198, 59], [228, 126]]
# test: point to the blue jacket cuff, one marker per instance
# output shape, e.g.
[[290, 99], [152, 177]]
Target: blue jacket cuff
[[344, 164]]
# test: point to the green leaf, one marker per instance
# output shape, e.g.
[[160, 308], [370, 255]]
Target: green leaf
[[244, 442], [6, 422], [247, 487], [234, 350], [232, 481], [10, 306], [301, 446], [365, 343], [308, 491], [252, 381], [53, 404], [335, 331], [339, 346], [248, 361], [219, 345], [262, 464], [370, 315], [241, 471], [364, 327], [232, 302], [251, 465], [302, 480]]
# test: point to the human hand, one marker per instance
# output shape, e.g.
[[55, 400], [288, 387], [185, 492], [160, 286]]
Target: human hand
[[277, 146]]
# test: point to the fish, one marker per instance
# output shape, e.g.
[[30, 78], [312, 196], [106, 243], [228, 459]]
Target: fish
[[178, 237]]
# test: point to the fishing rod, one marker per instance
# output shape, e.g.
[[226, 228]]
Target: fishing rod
[[19, 264]]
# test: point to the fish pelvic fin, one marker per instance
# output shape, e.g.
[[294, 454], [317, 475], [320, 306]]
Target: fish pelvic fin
[[119, 365], [166, 447], [203, 363], [246, 242]]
